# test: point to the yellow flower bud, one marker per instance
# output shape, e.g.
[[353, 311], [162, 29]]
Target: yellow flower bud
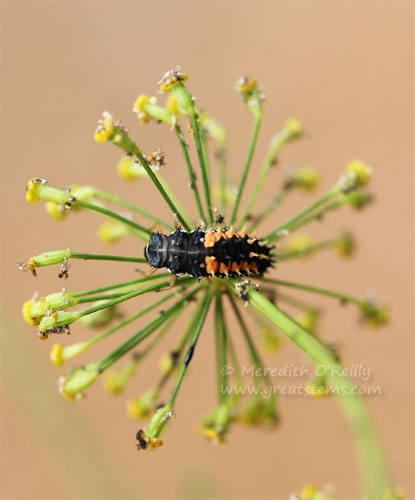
[[308, 319], [316, 390], [308, 491], [268, 338], [128, 170], [28, 315], [165, 363], [140, 102], [361, 170], [37, 189], [293, 126], [172, 106], [374, 316], [114, 381], [138, 408], [105, 129], [306, 178], [59, 354], [170, 78], [57, 212], [110, 232], [56, 355], [345, 245]]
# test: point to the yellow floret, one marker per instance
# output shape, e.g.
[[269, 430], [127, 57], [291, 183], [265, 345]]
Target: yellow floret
[[56, 355], [56, 211], [172, 106], [28, 313], [293, 126], [105, 128], [31, 191], [140, 102], [362, 171]]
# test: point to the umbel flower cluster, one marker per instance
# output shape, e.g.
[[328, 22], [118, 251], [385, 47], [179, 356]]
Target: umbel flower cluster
[[222, 262]]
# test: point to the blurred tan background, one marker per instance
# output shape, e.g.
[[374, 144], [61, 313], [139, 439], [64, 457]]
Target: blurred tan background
[[345, 69]]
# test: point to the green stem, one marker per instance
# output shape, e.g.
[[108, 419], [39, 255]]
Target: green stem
[[132, 318], [274, 203], [192, 176], [205, 152], [372, 466], [127, 144], [189, 222], [202, 163], [277, 142], [221, 348], [222, 181], [279, 232], [133, 208], [145, 331], [252, 143], [125, 297], [178, 351], [256, 359], [316, 215], [200, 317], [109, 296], [118, 258], [115, 216], [313, 248], [321, 291], [140, 281], [235, 363], [298, 304]]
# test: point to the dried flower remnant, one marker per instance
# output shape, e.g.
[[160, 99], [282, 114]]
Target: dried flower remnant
[[214, 263]]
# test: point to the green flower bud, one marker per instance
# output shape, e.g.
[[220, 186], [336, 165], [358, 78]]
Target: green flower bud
[[33, 311], [78, 380], [138, 408], [146, 107], [308, 319], [38, 189], [358, 200], [58, 321], [114, 381], [148, 438], [215, 424], [345, 245], [374, 316], [214, 129], [183, 98], [99, 318], [59, 354], [306, 178]]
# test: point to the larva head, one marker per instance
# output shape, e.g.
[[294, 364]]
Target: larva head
[[156, 250]]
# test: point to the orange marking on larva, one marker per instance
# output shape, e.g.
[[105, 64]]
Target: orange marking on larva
[[209, 240], [219, 235], [254, 266], [223, 268], [241, 234], [263, 256], [262, 243], [235, 267], [211, 265], [229, 233], [253, 254], [245, 266], [251, 241]]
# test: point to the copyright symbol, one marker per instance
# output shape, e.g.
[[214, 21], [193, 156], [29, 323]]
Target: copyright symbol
[[228, 370]]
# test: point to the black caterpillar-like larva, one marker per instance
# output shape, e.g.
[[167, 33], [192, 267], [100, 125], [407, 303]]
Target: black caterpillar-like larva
[[220, 253]]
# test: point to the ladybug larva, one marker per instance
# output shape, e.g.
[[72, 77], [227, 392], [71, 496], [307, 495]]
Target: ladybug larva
[[221, 253]]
